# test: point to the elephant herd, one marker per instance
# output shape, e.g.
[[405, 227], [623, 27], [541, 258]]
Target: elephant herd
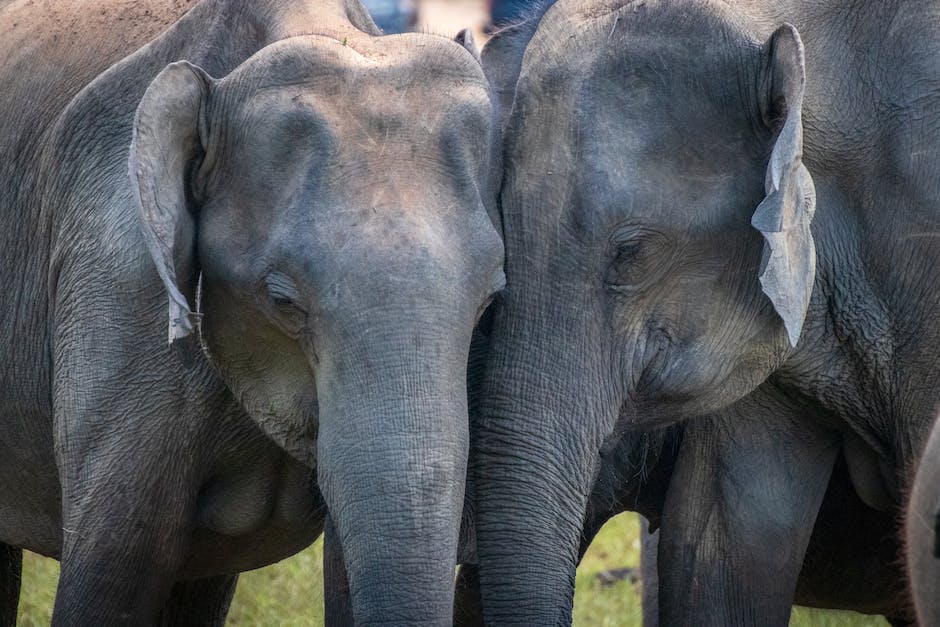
[[680, 257]]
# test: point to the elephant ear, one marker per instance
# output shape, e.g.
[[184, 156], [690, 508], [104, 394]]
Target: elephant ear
[[465, 39], [789, 264], [166, 150]]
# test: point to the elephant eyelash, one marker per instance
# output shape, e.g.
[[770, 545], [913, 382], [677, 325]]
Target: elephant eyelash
[[628, 252], [282, 301], [284, 297], [281, 290], [632, 267]]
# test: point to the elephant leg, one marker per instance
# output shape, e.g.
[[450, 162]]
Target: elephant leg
[[128, 513], [199, 603], [468, 604], [123, 543], [740, 512], [922, 533], [136, 425], [337, 601], [11, 569], [649, 573], [119, 561]]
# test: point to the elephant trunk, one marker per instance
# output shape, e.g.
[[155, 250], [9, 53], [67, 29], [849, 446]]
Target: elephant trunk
[[534, 458], [392, 454]]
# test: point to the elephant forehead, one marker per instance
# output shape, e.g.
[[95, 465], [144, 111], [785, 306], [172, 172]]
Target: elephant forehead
[[697, 49], [419, 66], [627, 122], [405, 89]]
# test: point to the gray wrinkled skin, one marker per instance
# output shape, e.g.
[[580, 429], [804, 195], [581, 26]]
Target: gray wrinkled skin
[[922, 533], [330, 186], [851, 561], [642, 142]]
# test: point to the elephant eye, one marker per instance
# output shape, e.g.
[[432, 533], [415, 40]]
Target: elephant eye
[[285, 299], [282, 301], [636, 260], [627, 267]]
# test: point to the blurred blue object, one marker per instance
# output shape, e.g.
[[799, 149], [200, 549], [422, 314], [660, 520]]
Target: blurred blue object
[[392, 16], [507, 12]]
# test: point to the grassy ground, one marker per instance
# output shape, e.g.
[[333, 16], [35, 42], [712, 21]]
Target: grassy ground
[[289, 594]]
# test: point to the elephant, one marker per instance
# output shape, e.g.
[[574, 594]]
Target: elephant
[[701, 218], [922, 533], [245, 244]]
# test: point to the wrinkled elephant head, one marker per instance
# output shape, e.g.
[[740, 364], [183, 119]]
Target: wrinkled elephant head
[[326, 205], [658, 254]]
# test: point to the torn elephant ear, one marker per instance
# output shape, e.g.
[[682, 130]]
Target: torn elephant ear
[[789, 265], [167, 147]]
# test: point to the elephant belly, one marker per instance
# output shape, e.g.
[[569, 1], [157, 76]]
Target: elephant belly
[[255, 517], [852, 561]]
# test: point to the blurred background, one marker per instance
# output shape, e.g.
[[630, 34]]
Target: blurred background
[[290, 593], [445, 17]]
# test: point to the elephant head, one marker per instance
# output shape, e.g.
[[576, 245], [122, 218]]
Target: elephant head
[[659, 261], [326, 207]]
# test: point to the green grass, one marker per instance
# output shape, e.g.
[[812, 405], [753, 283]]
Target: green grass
[[289, 593]]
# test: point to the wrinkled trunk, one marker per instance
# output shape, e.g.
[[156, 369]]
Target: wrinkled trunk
[[392, 463], [542, 420]]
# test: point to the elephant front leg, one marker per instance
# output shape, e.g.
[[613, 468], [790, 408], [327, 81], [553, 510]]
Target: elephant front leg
[[740, 512], [199, 603], [11, 569], [119, 559], [138, 426], [131, 459], [125, 536], [649, 573]]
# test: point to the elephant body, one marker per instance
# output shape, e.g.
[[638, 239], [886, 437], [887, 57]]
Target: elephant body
[[705, 216], [140, 463], [851, 561]]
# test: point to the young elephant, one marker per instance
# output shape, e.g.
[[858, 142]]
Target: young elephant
[[661, 266], [320, 193]]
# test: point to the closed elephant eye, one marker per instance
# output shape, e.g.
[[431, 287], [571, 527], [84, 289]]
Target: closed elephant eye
[[285, 298], [629, 268], [637, 259], [282, 301]]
